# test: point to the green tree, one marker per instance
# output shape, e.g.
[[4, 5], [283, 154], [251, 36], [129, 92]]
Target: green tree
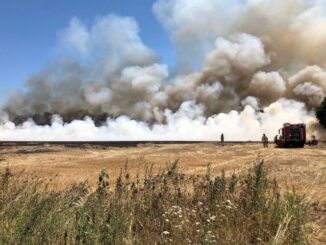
[[321, 113]]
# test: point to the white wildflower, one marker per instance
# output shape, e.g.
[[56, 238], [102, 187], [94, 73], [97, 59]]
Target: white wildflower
[[229, 202]]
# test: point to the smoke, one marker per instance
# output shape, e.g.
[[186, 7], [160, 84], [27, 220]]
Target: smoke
[[194, 26], [292, 30], [109, 71], [309, 85], [188, 123], [269, 86], [244, 68]]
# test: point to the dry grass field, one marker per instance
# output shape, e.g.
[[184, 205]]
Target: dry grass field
[[303, 169]]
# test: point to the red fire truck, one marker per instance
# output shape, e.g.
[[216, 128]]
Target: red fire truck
[[291, 135]]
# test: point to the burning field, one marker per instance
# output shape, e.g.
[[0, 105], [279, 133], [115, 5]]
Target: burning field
[[240, 69]]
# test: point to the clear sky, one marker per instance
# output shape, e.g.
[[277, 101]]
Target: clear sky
[[29, 32]]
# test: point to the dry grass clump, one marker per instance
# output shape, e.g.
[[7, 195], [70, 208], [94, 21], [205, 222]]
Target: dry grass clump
[[167, 208]]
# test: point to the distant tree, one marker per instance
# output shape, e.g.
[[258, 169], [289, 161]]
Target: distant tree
[[321, 113]]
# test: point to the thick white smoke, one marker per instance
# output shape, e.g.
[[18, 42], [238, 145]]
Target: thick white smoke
[[195, 25], [188, 123], [245, 68]]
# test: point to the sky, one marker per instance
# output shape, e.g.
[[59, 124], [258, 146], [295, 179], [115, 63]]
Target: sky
[[30, 33]]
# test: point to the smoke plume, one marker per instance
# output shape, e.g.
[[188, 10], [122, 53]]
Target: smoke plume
[[244, 68]]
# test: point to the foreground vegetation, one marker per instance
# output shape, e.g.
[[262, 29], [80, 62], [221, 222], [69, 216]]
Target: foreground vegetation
[[168, 208]]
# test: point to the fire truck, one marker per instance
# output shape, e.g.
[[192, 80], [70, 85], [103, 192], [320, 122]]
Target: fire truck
[[291, 135]]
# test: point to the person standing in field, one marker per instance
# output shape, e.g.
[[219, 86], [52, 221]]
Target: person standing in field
[[103, 180], [264, 140], [222, 139]]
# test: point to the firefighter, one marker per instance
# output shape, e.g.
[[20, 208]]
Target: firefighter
[[222, 139], [103, 180], [264, 140]]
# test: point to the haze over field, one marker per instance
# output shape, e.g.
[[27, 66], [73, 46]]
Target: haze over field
[[243, 68]]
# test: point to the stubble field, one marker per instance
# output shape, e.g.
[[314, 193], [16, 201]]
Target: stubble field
[[302, 169]]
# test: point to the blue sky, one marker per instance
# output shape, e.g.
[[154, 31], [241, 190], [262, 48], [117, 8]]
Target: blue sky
[[29, 33]]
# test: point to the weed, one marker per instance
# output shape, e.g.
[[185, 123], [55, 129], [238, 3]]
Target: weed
[[166, 208]]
